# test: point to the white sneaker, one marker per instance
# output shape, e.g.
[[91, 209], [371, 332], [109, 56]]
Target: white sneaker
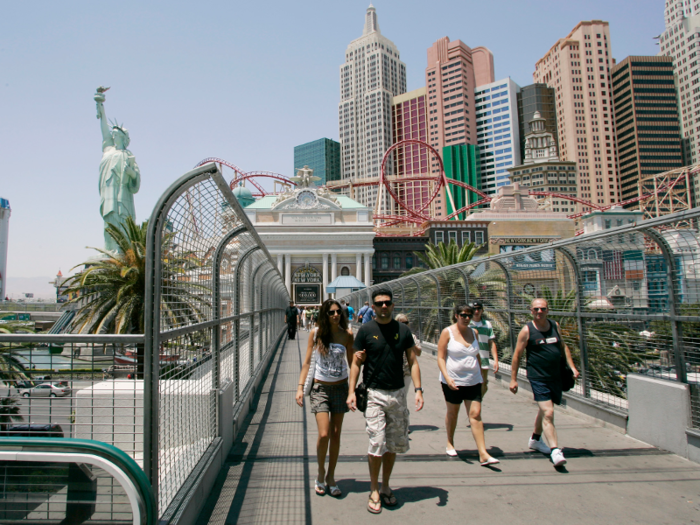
[[539, 446], [558, 457]]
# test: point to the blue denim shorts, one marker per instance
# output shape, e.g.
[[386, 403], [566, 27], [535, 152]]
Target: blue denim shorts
[[546, 391]]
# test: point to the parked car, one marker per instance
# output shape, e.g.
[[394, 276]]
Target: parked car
[[48, 430], [47, 390], [20, 385]]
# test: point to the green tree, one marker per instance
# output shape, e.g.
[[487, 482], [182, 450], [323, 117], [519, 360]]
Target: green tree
[[110, 291], [444, 255], [9, 412], [11, 368]]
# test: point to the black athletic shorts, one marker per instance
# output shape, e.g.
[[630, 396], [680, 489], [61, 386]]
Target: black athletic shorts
[[463, 393]]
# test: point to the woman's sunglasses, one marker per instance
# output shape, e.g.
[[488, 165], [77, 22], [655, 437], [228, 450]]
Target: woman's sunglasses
[[333, 313], [465, 316]]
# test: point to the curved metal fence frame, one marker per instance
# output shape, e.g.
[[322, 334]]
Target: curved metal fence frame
[[624, 254], [168, 214]]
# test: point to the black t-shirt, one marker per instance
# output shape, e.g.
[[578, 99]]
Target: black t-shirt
[[291, 312], [374, 338], [543, 353]]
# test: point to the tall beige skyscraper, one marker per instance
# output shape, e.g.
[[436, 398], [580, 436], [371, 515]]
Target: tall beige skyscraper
[[578, 68], [370, 77], [680, 41]]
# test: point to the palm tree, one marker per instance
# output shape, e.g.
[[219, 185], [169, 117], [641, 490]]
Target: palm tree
[[444, 255], [110, 291], [9, 412], [11, 368]]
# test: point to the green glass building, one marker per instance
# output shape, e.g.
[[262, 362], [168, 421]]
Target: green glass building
[[322, 156], [461, 163]]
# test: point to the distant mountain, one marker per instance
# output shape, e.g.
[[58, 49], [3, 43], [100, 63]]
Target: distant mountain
[[39, 286]]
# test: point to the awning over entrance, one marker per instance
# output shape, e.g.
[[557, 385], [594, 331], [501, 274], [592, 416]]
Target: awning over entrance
[[345, 282]]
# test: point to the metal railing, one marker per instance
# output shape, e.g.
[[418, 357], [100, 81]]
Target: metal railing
[[11, 306], [627, 300], [214, 312], [71, 481]]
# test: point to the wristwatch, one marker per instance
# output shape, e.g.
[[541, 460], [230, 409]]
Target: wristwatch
[[419, 388]]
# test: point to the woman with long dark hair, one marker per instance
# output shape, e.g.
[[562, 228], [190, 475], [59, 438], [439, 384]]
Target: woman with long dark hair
[[330, 344]]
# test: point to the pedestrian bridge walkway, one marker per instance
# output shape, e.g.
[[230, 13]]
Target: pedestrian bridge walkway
[[609, 478]]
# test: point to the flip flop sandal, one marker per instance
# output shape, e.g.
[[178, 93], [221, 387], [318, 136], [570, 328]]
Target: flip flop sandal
[[489, 462], [320, 488], [388, 500], [334, 490], [372, 502]]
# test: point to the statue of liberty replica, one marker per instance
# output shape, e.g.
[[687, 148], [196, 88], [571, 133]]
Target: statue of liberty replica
[[120, 177]]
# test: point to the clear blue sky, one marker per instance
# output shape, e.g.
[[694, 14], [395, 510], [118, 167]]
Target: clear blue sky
[[244, 81]]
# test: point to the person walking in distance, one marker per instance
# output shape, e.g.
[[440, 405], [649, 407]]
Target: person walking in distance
[[381, 345], [332, 344], [291, 317], [487, 342], [366, 314], [460, 375], [541, 340]]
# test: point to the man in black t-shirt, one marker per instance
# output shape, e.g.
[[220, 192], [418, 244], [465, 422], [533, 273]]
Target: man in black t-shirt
[[542, 342], [291, 316], [381, 345]]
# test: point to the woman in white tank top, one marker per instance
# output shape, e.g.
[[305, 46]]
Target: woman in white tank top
[[331, 347], [460, 375]]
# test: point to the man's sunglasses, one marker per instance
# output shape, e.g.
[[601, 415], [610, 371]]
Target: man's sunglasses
[[333, 313], [465, 316], [539, 309], [379, 304]]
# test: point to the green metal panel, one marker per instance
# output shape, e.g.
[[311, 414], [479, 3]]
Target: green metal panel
[[462, 164]]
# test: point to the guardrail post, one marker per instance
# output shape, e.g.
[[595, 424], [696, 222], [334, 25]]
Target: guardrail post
[[579, 319], [509, 300], [673, 296], [237, 313], [439, 302], [420, 318]]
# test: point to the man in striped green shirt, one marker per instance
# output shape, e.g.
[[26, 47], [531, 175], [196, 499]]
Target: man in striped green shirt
[[487, 341]]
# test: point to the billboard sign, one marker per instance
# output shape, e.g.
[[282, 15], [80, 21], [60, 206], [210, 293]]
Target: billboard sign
[[307, 294]]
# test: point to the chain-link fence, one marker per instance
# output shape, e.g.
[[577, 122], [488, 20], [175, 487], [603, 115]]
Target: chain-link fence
[[627, 300], [214, 311]]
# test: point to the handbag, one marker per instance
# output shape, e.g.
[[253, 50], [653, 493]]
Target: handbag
[[565, 373], [309, 381], [361, 389]]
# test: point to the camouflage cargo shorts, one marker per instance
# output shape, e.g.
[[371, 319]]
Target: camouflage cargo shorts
[[387, 419]]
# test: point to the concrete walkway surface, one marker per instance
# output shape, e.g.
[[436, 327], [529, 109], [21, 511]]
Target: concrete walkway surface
[[609, 478]]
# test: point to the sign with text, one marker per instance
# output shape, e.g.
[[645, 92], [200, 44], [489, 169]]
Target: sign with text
[[307, 293], [307, 218], [306, 274], [540, 260]]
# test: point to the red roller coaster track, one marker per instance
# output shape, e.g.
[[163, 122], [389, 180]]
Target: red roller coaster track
[[417, 216]]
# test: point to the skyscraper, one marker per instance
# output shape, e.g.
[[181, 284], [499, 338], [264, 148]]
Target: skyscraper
[[408, 117], [462, 164], [5, 213], [371, 75], [578, 68], [498, 132], [680, 41], [322, 156], [646, 122], [453, 72], [537, 98]]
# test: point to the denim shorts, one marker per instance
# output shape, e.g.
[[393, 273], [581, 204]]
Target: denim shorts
[[546, 391]]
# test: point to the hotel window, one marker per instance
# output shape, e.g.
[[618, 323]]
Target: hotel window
[[374, 263], [397, 262], [439, 237], [479, 237], [385, 262], [466, 238], [345, 271], [452, 236], [409, 262]]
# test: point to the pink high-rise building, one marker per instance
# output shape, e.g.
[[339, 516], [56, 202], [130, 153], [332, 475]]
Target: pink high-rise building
[[578, 68], [454, 71], [409, 121]]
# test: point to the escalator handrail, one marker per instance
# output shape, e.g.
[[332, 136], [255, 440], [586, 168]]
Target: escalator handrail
[[96, 448]]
